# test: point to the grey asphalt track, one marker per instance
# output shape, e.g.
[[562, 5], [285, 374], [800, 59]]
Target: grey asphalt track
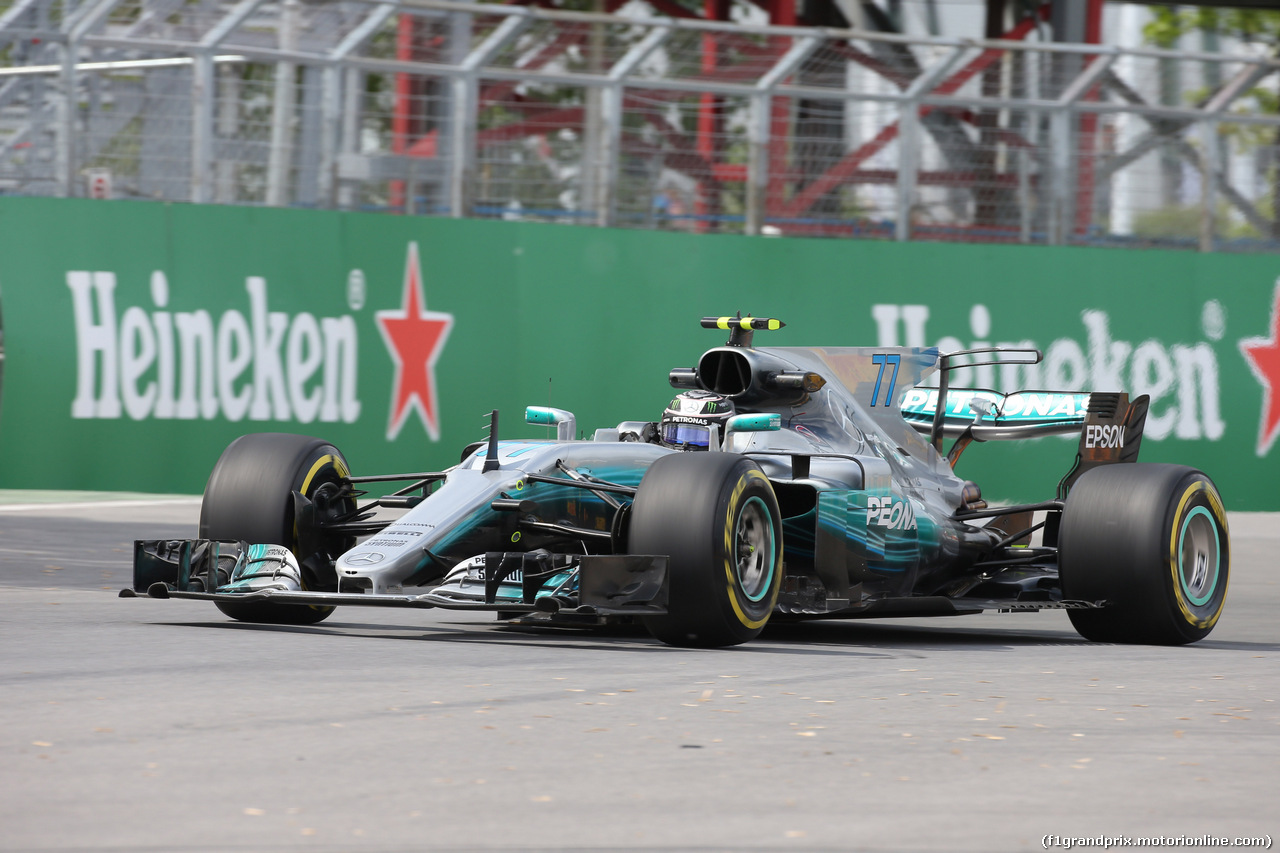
[[155, 726]]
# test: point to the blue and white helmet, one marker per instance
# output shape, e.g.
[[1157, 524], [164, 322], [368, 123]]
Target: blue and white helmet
[[686, 423]]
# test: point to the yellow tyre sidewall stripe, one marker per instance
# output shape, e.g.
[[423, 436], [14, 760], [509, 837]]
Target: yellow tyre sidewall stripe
[[1179, 517], [320, 464], [328, 459], [731, 580]]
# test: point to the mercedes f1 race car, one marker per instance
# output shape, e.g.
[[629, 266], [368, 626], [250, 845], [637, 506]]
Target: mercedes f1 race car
[[781, 483]]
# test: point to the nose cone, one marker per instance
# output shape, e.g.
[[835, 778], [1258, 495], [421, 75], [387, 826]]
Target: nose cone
[[391, 556]]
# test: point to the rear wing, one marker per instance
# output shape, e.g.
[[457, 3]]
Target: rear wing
[[1110, 425], [992, 416], [1022, 414]]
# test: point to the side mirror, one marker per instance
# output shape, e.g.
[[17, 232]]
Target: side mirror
[[565, 422], [768, 422]]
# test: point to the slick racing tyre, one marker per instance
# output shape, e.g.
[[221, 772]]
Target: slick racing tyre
[[716, 518], [250, 497], [1152, 541]]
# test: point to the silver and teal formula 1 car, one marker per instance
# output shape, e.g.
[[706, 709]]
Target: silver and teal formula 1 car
[[781, 483]]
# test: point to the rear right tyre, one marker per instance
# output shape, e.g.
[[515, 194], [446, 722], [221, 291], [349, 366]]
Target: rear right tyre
[[1152, 541]]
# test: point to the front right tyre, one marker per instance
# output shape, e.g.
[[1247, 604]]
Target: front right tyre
[[1152, 541], [716, 518]]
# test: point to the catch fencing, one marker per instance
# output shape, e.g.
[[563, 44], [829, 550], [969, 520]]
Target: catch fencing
[[638, 121]]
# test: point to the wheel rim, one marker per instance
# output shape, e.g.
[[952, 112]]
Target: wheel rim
[[1199, 556], [754, 549]]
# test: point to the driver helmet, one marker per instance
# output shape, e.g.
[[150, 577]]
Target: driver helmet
[[686, 423]]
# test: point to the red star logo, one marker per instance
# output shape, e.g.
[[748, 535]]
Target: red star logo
[[1263, 355], [414, 337]]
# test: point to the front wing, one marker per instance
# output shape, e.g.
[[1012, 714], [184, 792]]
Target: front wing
[[621, 585]]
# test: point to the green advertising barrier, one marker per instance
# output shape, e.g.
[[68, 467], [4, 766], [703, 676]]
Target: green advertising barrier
[[141, 338]]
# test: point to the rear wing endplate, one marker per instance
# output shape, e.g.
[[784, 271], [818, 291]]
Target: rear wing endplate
[[1112, 433]]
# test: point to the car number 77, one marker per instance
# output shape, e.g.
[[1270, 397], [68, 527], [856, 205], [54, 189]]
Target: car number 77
[[884, 359]]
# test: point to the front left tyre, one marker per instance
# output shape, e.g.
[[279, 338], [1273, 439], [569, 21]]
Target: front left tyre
[[249, 497]]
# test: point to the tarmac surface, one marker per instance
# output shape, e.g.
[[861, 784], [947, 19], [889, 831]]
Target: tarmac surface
[[160, 725]]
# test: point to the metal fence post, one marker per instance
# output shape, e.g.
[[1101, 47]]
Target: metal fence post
[[64, 169], [1059, 180], [282, 108], [909, 139], [330, 114], [1024, 195], [610, 141], [1208, 185], [202, 89], [758, 130], [757, 162], [226, 123], [611, 103], [333, 136], [461, 29], [908, 165], [1065, 158], [352, 95], [462, 165], [75, 27], [466, 91]]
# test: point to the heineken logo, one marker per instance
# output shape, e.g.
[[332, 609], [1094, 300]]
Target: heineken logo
[[257, 363], [250, 363]]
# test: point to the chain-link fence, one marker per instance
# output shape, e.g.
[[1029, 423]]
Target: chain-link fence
[[459, 109]]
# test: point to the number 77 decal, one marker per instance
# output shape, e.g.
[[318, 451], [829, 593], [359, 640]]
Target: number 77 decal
[[884, 359]]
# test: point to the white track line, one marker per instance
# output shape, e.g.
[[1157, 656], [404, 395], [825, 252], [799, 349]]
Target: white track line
[[104, 504]]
